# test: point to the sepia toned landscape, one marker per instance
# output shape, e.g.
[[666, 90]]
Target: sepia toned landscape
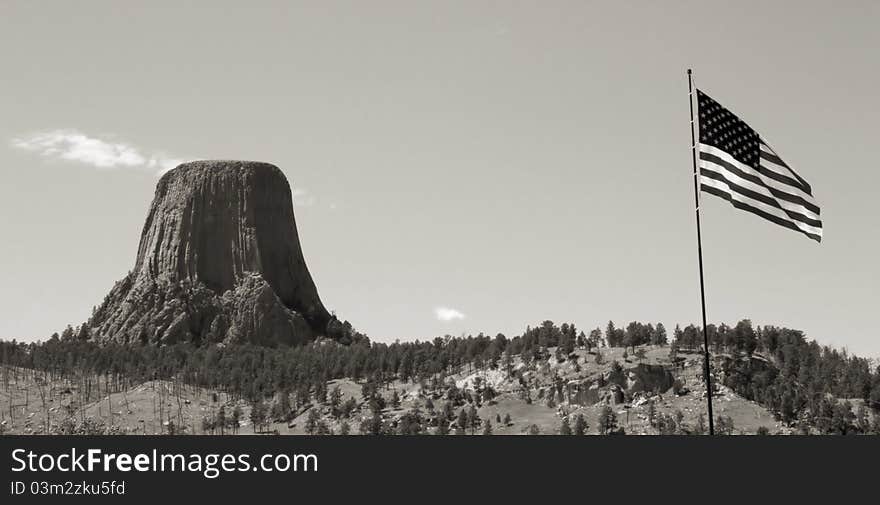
[[448, 219], [219, 330]]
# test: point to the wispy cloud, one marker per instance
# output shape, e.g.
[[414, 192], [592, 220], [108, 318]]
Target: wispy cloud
[[448, 314], [72, 145]]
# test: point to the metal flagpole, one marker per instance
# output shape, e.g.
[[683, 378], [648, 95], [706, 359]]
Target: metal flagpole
[[700, 255]]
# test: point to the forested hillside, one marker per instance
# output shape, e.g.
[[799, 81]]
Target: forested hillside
[[807, 387]]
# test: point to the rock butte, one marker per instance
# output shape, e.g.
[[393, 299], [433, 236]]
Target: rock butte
[[219, 260]]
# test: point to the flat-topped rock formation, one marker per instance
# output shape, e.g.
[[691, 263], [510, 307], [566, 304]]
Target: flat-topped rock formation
[[219, 260]]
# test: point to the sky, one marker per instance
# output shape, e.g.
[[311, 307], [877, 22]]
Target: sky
[[457, 167]]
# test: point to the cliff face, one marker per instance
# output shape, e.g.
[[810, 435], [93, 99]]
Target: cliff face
[[219, 260]]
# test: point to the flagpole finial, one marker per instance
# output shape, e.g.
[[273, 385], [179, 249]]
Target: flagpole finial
[[689, 72]]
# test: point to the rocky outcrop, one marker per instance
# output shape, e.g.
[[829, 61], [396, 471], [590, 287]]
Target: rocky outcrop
[[617, 385], [655, 379], [219, 260]]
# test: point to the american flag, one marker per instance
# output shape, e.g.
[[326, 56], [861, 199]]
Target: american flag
[[738, 165]]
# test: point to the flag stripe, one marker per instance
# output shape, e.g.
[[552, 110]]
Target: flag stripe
[[771, 161], [770, 156], [710, 177], [769, 209], [744, 206], [738, 185], [768, 170], [804, 203], [782, 174]]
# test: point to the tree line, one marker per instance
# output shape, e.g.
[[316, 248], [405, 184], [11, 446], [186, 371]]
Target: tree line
[[777, 367]]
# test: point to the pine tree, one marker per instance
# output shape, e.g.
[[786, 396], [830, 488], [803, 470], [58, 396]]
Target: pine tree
[[221, 419], [640, 354], [659, 337], [311, 425], [786, 407], [607, 420], [372, 425], [842, 419], [611, 335], [257, 415], [679, 421], [595, 339], [68, 333], [447, 410], [566, 344], [236, 418], [473, 419], [462, 419], [207, 425], [323, 428], [565, 427], [862, 421], [442, 426], [348, 407], [724, 425], [580, 425], [281, 409], [335, 401], [487, 430]]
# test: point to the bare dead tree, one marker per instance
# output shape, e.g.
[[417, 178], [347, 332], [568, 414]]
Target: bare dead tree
[[42, 389]]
